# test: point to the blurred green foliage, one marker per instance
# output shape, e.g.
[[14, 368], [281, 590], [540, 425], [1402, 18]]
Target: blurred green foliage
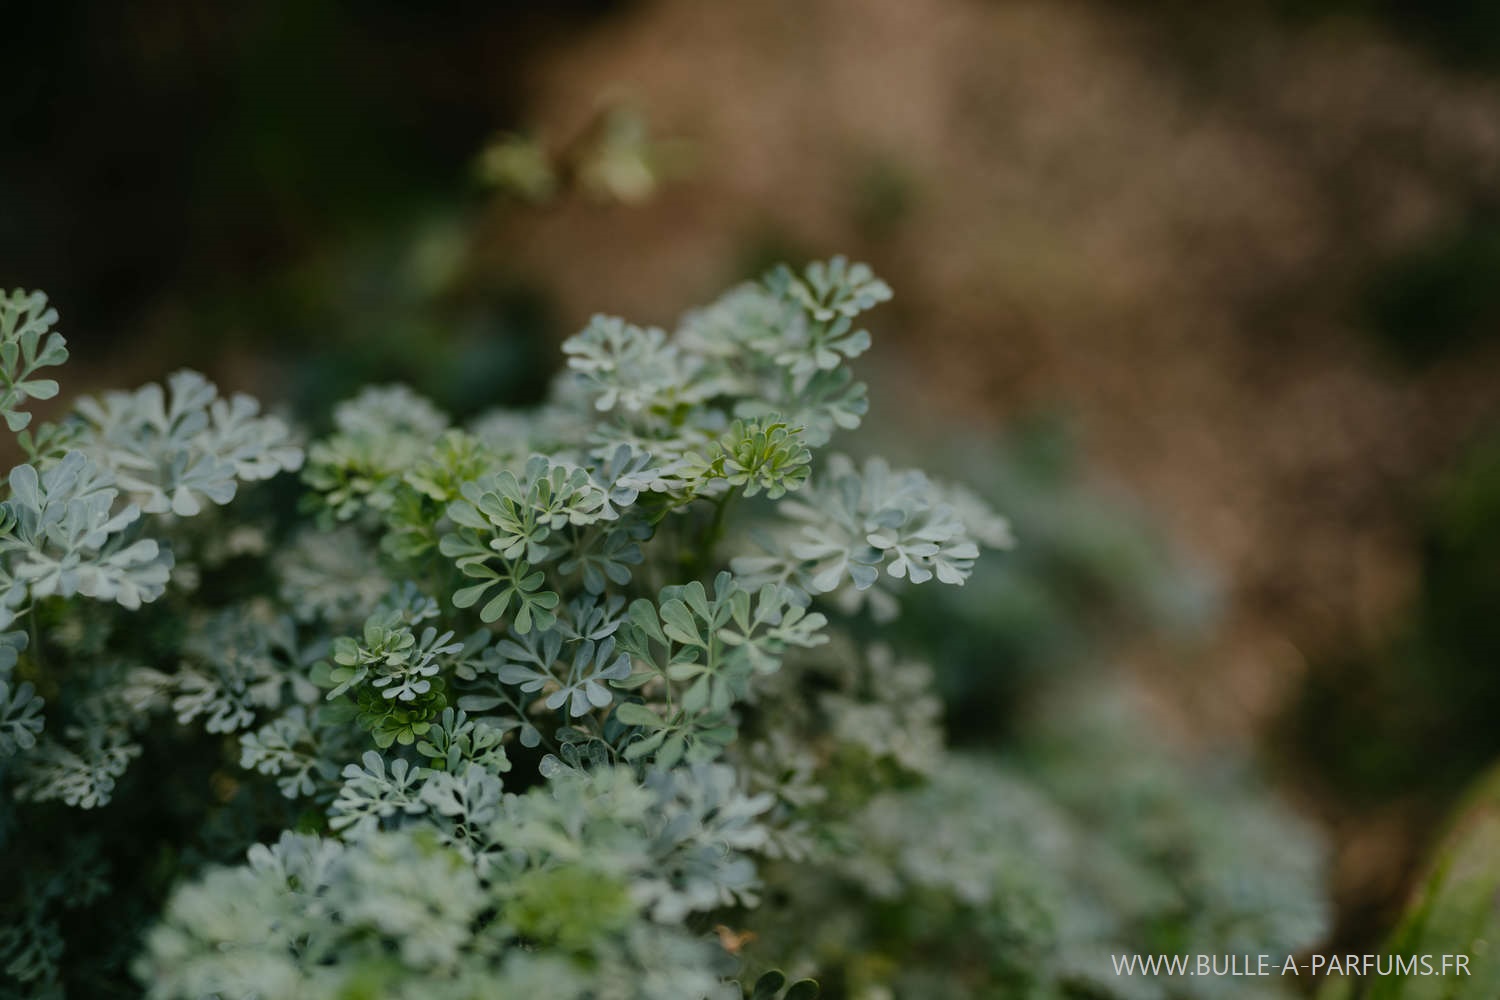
[[1452, 912], [884, 192], [1417, 715], [1088, 569], [1087, 837], [1071, 829]]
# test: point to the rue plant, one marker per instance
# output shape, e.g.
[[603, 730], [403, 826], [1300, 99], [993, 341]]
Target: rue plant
[[609, 699], [538, 694]]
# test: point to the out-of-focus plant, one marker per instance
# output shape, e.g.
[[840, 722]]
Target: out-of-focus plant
[[615, 158], [1091, 571], [1022, 874], [1428, 681], [1451, 915]]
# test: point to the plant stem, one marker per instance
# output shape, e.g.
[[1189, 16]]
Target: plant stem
[[715, 532]]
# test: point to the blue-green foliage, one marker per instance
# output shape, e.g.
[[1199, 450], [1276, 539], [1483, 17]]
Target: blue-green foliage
[[1029, 871], [570, 598], [510, 678], [76, 522], [93, 526], [26, 345], [546, 704]]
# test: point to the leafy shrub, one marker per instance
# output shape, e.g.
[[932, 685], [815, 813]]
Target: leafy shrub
[[514, 712], [1021, 875], [598, 700]]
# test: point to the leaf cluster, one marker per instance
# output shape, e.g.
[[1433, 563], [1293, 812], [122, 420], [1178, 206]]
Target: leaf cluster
[[578, 702]]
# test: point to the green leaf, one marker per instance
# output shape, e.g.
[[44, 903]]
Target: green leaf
[[496, 607], [467, 597], [683, 671], [40, 388], [671, 751], [640, 748], [632, 713], [678, 623], [643, 616], [695, 699], [462, 512], [1453, 911]]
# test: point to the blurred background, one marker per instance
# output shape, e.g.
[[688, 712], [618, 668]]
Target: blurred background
[[1205, 296]]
